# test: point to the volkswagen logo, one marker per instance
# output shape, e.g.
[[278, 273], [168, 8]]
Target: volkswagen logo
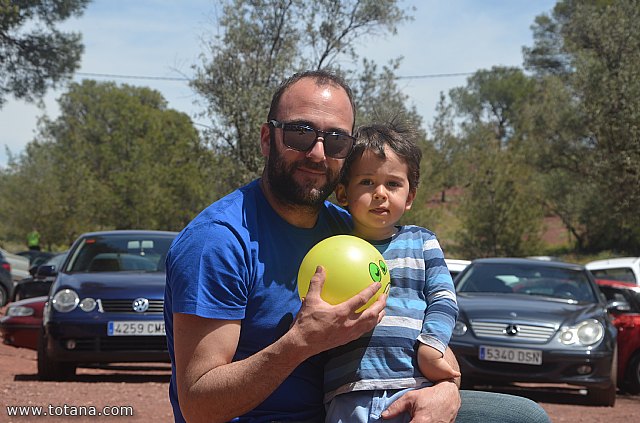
[[140, 305], [512, 330]]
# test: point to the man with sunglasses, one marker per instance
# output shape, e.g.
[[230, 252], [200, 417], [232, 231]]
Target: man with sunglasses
[[243, 347]]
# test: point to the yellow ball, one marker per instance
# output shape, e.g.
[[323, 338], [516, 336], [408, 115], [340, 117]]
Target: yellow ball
[[351, 264]]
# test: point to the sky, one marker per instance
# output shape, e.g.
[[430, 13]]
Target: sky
[[156, 42]]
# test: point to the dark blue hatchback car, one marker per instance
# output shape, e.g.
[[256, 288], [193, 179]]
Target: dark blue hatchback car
[[106, 304]]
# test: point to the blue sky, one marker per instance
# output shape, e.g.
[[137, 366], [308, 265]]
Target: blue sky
[[163, 38]]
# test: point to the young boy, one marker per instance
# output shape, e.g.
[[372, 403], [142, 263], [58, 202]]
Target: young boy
[[364, 377]]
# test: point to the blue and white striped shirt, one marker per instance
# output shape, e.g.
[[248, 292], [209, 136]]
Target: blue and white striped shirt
[[421, 307]]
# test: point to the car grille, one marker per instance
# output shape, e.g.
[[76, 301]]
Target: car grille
[[525, 332], [126, 306], [121, 343]]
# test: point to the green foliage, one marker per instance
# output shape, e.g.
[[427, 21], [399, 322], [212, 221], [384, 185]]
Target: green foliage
[[262, 43], [500, 213], [496, 96], [115, 158], [561, 141], [34, 55], [587, 124]]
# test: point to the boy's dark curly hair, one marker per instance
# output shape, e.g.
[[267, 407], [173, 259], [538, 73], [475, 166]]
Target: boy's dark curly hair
[[400, 138]]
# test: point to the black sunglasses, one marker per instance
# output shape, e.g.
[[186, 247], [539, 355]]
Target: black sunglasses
[[303, 137]]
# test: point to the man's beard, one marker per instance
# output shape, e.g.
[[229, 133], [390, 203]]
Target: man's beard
[[289, 191]]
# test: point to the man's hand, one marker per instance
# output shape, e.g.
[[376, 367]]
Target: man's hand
[[437, 403], [322, 326]]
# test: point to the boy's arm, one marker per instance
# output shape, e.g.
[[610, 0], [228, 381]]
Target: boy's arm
[[433, 365], [442, 307]]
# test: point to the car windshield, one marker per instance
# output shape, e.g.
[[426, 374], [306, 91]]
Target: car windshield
[[120, 253], [528, 279]]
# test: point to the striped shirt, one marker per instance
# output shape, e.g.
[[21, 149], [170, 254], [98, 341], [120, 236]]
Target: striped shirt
[[421, 307]]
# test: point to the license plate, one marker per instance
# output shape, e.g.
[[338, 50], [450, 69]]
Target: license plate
[[135, 328], [510, 355]]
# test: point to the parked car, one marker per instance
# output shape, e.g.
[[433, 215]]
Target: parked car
[[36, 257], [456, 266], [6, 283], [106, 304], [625, 309], [618, 269], [532, 321], [22, 323], [41, 278], [19, 265]]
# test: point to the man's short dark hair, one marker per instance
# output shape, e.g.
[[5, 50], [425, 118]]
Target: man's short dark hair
[[322, 77], [401, 139]]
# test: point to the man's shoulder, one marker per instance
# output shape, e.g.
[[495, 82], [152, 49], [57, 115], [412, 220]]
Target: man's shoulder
[[221, 217], [228, 207]]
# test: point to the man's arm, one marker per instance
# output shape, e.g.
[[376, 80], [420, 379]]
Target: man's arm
[[437, 403], [212, 388]]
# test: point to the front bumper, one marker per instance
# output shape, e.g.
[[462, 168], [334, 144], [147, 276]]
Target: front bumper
[[82, 342], [576, 367]]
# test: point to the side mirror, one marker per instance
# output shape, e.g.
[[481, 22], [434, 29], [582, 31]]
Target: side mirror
[[46, 270], [618, 306]]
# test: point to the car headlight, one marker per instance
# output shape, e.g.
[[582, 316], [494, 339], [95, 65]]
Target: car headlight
[[88, 304], [459, 329], [20, 311], [585, 333], [65, 300]]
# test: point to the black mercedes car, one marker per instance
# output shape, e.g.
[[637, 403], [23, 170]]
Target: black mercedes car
[[532, 321], [106, 304]]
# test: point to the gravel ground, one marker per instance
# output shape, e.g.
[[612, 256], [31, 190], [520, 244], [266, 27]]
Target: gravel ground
[[144, 389]]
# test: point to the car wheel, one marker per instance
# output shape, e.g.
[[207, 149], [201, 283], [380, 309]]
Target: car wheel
[[3, 296], [49, 369], [632, 376]]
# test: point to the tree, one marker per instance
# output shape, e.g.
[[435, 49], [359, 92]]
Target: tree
[[34, 54], [115, 158], [500, 213], [495, 96], [599, 146], [264, 41]]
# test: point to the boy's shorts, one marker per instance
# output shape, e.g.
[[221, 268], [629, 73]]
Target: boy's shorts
[[365, 406]]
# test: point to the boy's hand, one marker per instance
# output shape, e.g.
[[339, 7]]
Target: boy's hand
[[439, 369]]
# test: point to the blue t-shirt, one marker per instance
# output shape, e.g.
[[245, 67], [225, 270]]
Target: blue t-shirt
[[239, 260]]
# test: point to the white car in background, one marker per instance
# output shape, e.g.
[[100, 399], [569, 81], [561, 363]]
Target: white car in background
[[19, 265], [456, 266], [618, 269]]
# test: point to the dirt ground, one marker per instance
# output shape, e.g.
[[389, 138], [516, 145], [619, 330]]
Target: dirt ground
[[144, 389]]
